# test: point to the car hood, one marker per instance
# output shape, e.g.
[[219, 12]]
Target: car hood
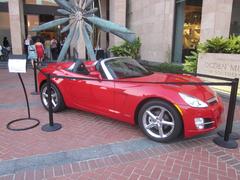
[[199, 91]]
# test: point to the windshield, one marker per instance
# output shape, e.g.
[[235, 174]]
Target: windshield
[[126, 68]]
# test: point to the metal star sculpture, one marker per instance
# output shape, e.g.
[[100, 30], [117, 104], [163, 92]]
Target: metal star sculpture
[[80, 15]]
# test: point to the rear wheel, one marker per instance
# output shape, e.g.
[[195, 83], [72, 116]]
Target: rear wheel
[[57, 99], [160, 121]]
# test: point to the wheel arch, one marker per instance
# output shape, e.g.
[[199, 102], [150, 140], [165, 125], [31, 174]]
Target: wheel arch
[[45, 81], [42, 83], [139, 106]]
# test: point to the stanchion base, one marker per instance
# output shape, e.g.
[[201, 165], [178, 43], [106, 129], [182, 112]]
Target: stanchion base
[[37, 122], [232, 136], [35, 93], [231, 144], [48, 128]]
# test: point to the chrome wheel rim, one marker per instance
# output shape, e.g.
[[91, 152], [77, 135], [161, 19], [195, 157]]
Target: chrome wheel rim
[[45, 97], [158, 122]]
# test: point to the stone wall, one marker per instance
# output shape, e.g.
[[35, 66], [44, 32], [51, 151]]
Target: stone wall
[[216, 18], [117, 15], [16, 25], [153, 20], [223, 65]]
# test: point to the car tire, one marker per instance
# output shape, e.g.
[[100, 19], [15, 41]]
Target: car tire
[[160, 121], [57, 99]]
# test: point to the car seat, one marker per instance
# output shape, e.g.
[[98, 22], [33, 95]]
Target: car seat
[[80, 68]]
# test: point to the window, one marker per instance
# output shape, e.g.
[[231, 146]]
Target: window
[[41, 2], [187, 28], [5, 26], [235, 22], [126, 68]]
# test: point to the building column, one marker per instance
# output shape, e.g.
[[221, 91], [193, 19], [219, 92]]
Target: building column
[[103, 37], [118, 10], [16, 17], [216, 18]]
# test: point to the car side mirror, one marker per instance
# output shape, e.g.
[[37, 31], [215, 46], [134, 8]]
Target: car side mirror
[[97, 75]]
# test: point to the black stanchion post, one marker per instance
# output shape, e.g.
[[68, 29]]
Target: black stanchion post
[[35, 79], [226, 141], [233, 135], [51, 126]]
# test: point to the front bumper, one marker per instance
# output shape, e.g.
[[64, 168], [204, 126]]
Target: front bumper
[[213, 113]]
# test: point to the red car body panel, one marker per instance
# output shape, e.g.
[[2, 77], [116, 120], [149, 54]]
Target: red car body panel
[[121, 100]]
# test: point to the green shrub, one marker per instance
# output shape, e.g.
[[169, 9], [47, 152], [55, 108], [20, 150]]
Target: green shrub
[[127, 49], [233, 45], [221, 45], [216, 45], [190, 64]]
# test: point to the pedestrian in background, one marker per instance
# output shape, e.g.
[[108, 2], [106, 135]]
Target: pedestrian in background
[[6, 43], [47, 46], [54, 48], [6, 48], [27, 43], [1, 52], [32, 53], [40, 51]]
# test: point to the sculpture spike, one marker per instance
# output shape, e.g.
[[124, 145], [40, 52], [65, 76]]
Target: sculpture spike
[[88, 27], [51, 24], [88, 43], [88, 3], [115, 29], [63, 11], [83, 3], [77, 32], [66, 44], [66, 28], [91, 12], [64, 4]]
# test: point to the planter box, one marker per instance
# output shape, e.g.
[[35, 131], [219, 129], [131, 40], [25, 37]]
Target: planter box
[[224, 65]]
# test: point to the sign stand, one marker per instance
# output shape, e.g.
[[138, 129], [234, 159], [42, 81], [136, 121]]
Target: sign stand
[[17, 64]]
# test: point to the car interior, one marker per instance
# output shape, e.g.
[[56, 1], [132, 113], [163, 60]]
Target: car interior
[[80, 68]]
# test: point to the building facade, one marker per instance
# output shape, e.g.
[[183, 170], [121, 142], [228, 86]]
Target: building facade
[[168, 29]]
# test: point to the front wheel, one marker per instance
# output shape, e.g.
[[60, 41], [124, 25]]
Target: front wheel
[[160, 121], [57, 99]]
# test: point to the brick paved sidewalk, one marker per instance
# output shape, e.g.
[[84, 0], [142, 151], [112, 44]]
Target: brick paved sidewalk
[[94, 147], [191, 159]]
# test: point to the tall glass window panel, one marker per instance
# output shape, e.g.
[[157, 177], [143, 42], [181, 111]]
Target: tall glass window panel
[[235, 21], [4, 26], [41, 2], [32, 22], [187, 28]]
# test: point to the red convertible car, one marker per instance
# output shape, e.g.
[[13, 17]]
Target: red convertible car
[[114, 87]]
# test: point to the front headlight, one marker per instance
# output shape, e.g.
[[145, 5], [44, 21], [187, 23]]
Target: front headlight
[[192, 101]]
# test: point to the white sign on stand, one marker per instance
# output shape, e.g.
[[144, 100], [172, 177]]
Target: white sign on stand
[[17, 65]]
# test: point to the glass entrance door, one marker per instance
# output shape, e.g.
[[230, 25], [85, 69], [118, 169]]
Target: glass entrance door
[[187, 28]]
